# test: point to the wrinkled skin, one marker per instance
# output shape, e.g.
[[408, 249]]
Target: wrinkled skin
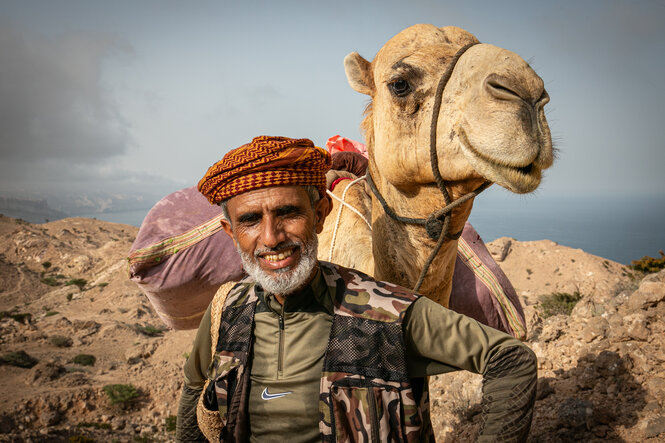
[[491, 126]]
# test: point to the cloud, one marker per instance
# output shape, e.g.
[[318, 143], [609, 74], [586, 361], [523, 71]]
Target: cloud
[[53, 101]]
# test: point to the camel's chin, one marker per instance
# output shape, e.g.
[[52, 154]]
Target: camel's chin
[[516, 180], [520, 180]]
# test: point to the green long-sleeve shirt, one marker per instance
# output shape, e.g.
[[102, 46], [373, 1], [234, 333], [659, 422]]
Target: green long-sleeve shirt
[[289, 343]]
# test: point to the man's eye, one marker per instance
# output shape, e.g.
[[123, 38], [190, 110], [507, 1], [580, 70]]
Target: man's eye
[[249, 219], [400, 87], [287, 211]]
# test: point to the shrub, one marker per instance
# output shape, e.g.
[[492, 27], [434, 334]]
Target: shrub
[[46, 264], [61, 341], [51, 281], [121, 395], [149, 330], [80, 439], [69, 296], [170, 423], [20, 359], [558, 303], [51, 313], [85, 360], [649, 264], [78, 282], [102, 285], [19, 317]]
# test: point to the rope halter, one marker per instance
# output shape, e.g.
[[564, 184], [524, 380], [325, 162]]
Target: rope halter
[[438, 223]]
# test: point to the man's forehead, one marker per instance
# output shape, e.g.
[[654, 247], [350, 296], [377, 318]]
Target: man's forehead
[[268, 198]]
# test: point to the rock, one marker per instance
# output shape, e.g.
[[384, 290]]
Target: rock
[[649, 294], [609, 364], [62, 322], [500, 248], [89, 326], [653, 427], [587, 379], [543, 389], [587, 308], [553, 327], [595, 327], [49, 417], [574, 413], [44, 372], [118, 423], [138, 353], [635, 327], [656, 387]]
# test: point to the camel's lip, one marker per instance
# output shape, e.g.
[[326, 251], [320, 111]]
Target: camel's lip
[[528, 172]]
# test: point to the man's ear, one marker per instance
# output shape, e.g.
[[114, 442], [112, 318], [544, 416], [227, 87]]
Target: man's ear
[[322, 209], [226, 226]]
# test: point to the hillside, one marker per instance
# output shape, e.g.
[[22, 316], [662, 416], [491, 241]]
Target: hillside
[[602, 369]]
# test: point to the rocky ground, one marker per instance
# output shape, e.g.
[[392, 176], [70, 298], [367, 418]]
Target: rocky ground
[[601, 368], [64, 293]]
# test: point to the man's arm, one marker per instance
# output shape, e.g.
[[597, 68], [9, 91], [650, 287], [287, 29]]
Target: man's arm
[[187, 428], [439, 340]]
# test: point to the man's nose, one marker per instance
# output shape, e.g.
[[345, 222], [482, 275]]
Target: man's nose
[[272, 234]]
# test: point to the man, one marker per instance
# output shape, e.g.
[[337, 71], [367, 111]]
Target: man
[[310, 351]]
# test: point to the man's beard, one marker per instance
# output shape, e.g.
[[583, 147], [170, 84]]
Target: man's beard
[[287, 280]]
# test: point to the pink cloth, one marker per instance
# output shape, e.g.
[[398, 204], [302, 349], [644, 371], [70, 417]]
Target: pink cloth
[[337, 143]]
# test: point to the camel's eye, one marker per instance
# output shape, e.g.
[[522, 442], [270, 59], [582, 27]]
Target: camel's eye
[[400, 87]]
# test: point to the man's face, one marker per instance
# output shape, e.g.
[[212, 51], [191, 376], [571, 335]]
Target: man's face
[[274, 229]]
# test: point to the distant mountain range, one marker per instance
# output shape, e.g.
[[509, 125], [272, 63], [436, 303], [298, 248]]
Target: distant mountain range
[[33, 211], [51, 208]]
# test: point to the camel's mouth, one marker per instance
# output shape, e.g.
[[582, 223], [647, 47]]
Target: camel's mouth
[[517, 178]]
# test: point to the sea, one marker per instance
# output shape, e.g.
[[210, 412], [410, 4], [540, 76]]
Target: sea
[[621, 229]]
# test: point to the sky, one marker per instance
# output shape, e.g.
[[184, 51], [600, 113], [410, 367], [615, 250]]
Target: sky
[[136, 99]]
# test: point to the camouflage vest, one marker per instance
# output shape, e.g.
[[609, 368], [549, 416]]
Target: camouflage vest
[[365, 392]]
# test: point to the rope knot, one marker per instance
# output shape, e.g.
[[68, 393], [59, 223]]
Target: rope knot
[[433, 226]]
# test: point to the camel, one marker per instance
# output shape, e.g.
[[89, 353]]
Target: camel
[[491, 127]]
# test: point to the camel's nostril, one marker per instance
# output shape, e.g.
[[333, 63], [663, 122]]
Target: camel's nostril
[[501, 88]]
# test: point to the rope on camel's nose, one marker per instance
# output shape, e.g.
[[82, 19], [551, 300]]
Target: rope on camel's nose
[[438, 97], [436, 228]]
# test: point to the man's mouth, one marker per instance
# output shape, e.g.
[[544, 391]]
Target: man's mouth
[[282, 259], [280, 256]]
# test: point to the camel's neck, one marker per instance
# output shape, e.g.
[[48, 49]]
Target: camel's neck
[[401, 250]]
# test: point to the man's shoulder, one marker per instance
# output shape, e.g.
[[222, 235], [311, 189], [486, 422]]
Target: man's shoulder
[[363, 296], [333, 271], [241, 293]]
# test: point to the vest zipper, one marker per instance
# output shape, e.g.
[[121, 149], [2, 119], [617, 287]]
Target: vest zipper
[[280, 356]]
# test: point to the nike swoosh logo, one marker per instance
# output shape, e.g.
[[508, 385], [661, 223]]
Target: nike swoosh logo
[[265, 395]]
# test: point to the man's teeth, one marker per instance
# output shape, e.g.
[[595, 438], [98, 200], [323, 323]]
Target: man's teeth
[[280, 256]]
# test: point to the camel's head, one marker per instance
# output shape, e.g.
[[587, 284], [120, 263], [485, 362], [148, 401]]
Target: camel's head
[[491, 123]]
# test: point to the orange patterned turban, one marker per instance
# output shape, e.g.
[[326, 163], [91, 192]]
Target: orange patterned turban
[[265, 162]]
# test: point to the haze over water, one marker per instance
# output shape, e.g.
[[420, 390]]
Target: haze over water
[[620, 229]]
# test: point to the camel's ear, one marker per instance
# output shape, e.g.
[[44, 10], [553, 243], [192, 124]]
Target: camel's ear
[[359, 73]]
